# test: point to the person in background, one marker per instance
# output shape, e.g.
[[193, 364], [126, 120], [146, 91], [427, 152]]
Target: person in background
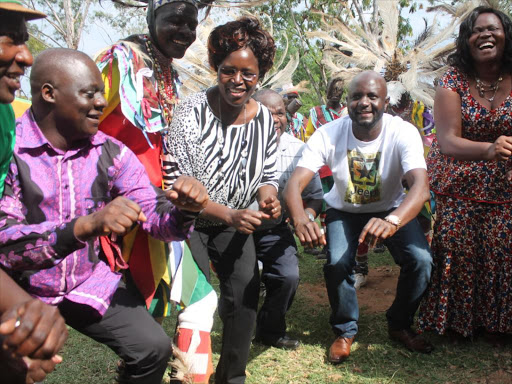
[[469, 167], [86, 189], [332, 110], [31, 332], [369, 153], [142, 90], [227, 140], [14, 59], [275, 244], [297, 122]]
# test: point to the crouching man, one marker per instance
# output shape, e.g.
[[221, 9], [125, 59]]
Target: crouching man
[[369, 152], [70, 193]]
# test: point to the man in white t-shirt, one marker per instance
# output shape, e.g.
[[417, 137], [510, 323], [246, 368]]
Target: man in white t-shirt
[[369, 153]]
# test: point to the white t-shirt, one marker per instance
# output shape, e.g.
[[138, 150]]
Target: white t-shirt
[[367, 175]]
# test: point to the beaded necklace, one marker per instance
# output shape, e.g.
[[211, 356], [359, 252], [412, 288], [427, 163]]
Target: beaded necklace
[[166, 79], [482, 90]]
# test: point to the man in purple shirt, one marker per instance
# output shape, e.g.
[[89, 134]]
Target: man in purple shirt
[[70, 192]]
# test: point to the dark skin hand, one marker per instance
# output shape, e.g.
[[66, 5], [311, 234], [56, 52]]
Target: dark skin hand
[[188, 194], [377, 229], [271, 207], [120, 214], [41, 331], [24, 370], [247, 220], [308, 232], [40, 334]]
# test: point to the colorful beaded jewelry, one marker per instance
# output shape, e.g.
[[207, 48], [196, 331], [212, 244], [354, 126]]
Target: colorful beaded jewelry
[[166, 79]]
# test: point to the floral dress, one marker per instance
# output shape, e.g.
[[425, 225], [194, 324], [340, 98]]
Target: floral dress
[[472, 244]]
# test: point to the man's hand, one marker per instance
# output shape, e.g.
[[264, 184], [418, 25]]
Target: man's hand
[[188, 194], [308, 232], [33, 329], [38, 369], [271, 206], [376, 230], [117, 217], [246, 220], [24, 370], [501, 149]]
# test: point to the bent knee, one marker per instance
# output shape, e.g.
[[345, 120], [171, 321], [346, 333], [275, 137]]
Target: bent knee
[[158, 349], [343, 265]]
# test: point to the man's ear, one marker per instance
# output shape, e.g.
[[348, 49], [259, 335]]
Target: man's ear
[[48, 93]]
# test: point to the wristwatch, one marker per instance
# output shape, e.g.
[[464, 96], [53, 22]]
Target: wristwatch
[[395, 220], [311, 217]]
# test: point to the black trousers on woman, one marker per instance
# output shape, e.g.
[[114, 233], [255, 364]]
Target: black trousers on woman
[[233, 258]]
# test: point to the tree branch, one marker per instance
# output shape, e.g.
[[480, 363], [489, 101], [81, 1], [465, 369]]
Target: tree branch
[[48, 37], [82, 22], [57, 18], [69, 37], [360, 15]]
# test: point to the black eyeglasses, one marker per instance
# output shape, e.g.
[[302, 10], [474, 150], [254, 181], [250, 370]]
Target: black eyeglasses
[[231, 72]]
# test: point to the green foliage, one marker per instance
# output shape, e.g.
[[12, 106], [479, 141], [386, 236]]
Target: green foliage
[[35, 43]]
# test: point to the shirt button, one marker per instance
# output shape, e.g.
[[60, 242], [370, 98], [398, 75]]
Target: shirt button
[[67, 217], [66, 186]]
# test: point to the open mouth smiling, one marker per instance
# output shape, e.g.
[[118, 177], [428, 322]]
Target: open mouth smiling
[[486, 45]]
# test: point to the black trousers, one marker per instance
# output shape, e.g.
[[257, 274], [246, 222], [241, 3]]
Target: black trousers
[[233, 258], [277, 250], [129, 330]]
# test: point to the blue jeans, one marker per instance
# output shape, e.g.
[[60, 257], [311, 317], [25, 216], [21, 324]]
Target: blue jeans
[[410, 251]]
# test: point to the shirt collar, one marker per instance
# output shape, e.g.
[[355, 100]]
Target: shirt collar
[[29, 135]]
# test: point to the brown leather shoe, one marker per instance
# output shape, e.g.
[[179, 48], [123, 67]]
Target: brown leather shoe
[[411, 340], [340, 349]]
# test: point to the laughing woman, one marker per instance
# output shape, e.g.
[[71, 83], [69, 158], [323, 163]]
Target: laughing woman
[[226, 140], [141, 87], [468, 165]]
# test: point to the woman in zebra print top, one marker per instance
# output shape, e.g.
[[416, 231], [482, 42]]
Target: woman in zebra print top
[[227, 141]]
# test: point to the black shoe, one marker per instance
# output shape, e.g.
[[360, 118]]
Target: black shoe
[[283, 342]]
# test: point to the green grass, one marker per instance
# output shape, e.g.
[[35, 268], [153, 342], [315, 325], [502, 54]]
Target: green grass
[[374, 358]]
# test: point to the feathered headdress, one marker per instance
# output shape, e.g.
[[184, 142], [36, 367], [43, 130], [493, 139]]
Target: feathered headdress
[[354, 47]]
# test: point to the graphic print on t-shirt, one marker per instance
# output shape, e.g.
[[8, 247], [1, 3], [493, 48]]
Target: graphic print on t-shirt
[[364, 186]]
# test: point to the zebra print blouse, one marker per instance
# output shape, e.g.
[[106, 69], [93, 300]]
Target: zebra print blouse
[[233, 162]]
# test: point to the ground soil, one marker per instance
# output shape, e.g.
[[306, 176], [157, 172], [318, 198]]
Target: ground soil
[[375, 297]]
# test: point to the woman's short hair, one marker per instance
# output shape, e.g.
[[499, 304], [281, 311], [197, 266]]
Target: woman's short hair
[[245, 32], [462, 58]]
